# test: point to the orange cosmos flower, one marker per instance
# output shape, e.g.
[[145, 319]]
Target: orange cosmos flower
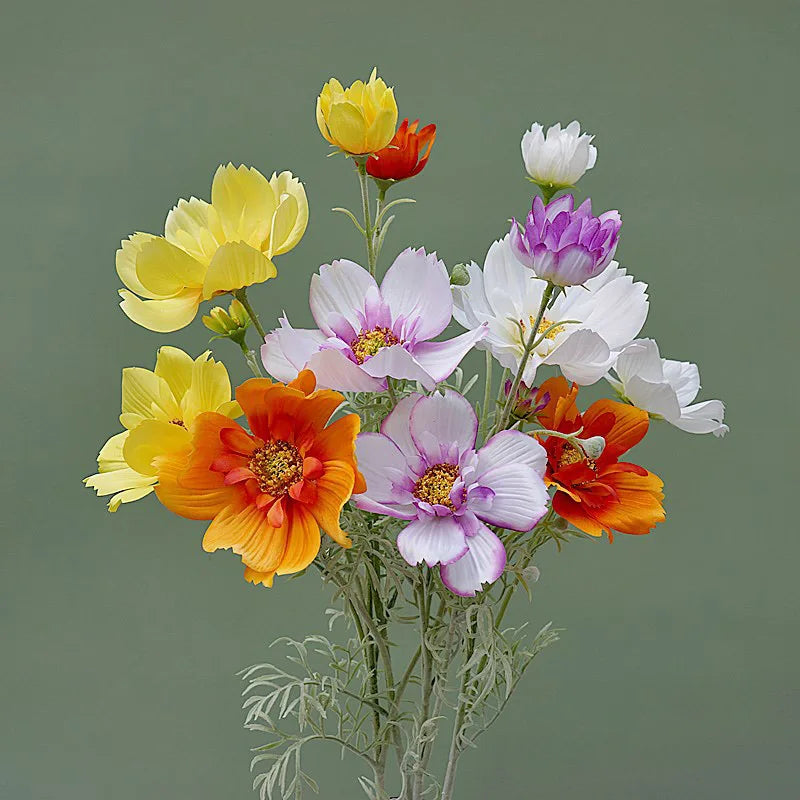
[[602, 494], [406, 155], [268, 491]]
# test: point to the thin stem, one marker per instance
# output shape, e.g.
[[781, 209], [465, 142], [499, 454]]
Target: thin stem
[[463, 702], [526, 354], [241, 296], [376, 232], [390, 391], [427, 668], [361, 169], [487, 393], [252, 361]]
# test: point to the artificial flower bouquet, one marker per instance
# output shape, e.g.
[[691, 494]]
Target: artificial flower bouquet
[[360, 454]]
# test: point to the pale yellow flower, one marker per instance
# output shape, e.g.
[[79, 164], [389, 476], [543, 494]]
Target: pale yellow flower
[[211, 248], [158, 407], [360, 119]]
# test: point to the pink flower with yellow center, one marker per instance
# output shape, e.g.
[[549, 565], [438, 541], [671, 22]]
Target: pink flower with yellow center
[[424, 467], [368, 333]]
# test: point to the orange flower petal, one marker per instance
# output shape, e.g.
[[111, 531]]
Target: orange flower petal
[[575, 513], [337, 441], [630, 426], [638, 507], [305, 381], [303, 541], [560, 413], [201, 503], [333, 491], [246, 531]]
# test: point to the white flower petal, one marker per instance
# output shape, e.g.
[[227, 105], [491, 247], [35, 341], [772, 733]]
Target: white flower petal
[[440, 420], [483, 563], [339, 288], [334, 370], [434, 540], [417, 290]]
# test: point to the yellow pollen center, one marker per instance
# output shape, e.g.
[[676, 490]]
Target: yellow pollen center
[[544, 325], [367, 343], [435, 485], [571, 455], [277, 466]]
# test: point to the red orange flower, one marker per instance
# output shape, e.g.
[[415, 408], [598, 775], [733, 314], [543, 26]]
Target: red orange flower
[[406, 155], [602, 494], [270, 490]]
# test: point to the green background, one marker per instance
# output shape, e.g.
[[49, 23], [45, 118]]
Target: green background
[[677, 674]]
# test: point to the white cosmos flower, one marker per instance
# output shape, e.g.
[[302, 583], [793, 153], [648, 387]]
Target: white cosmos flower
[[610, 311], [561, 157], [666, 389]]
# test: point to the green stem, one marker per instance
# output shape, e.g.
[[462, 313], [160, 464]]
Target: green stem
[[241, 296], [251, 359], [526, 354], [376, 233], [390, 391], [548, 190], [487, 392], [361, 169]]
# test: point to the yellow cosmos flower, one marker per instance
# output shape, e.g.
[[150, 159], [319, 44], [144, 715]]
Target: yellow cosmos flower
[[157, 408], [360, 119], [211, 248]]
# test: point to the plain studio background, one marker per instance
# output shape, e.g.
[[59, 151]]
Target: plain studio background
[[677, 674]]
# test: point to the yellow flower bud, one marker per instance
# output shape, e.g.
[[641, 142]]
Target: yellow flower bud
[[360, 119]]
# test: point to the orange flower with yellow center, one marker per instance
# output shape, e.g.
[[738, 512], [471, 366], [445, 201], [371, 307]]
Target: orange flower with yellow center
[[604, 493], [269, 490]]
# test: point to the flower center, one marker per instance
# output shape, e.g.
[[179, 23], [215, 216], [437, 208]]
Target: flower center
[[277, 466], [179, 422], [367, 343], [544, 325], [571, 455], [435, 485]]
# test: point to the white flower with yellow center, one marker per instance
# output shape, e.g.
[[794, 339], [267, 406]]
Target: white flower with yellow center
[[581, 332], [158, 407]]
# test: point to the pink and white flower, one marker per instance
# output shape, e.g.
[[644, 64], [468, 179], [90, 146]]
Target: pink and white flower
[[424, 467], [367, 333], [582, 331]]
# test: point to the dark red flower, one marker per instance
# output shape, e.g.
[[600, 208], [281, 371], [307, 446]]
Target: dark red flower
[[405, 156]]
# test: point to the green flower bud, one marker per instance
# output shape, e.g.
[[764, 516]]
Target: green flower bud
[[459, 276]]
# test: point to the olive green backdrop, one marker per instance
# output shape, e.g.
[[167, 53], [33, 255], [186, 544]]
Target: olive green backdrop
[[677, 674]]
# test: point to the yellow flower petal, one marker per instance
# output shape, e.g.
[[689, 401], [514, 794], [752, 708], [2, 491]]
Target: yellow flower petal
[[381, 131], [348, 127], [165, 270], [116, 477], [150, 440], [194, 226], [126, 262], [230, 409], [321, 124], [287, 184], [128, 496], [210, 388], [245, 203], [146, 395], [162, 316], [234, 266], [282, 225], [175, 367]]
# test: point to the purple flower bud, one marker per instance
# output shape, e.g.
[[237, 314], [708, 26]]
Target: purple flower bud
[[524, 408], [564, 245]]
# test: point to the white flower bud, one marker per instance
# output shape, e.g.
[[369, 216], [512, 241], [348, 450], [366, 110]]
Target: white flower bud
[[561, 157]]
